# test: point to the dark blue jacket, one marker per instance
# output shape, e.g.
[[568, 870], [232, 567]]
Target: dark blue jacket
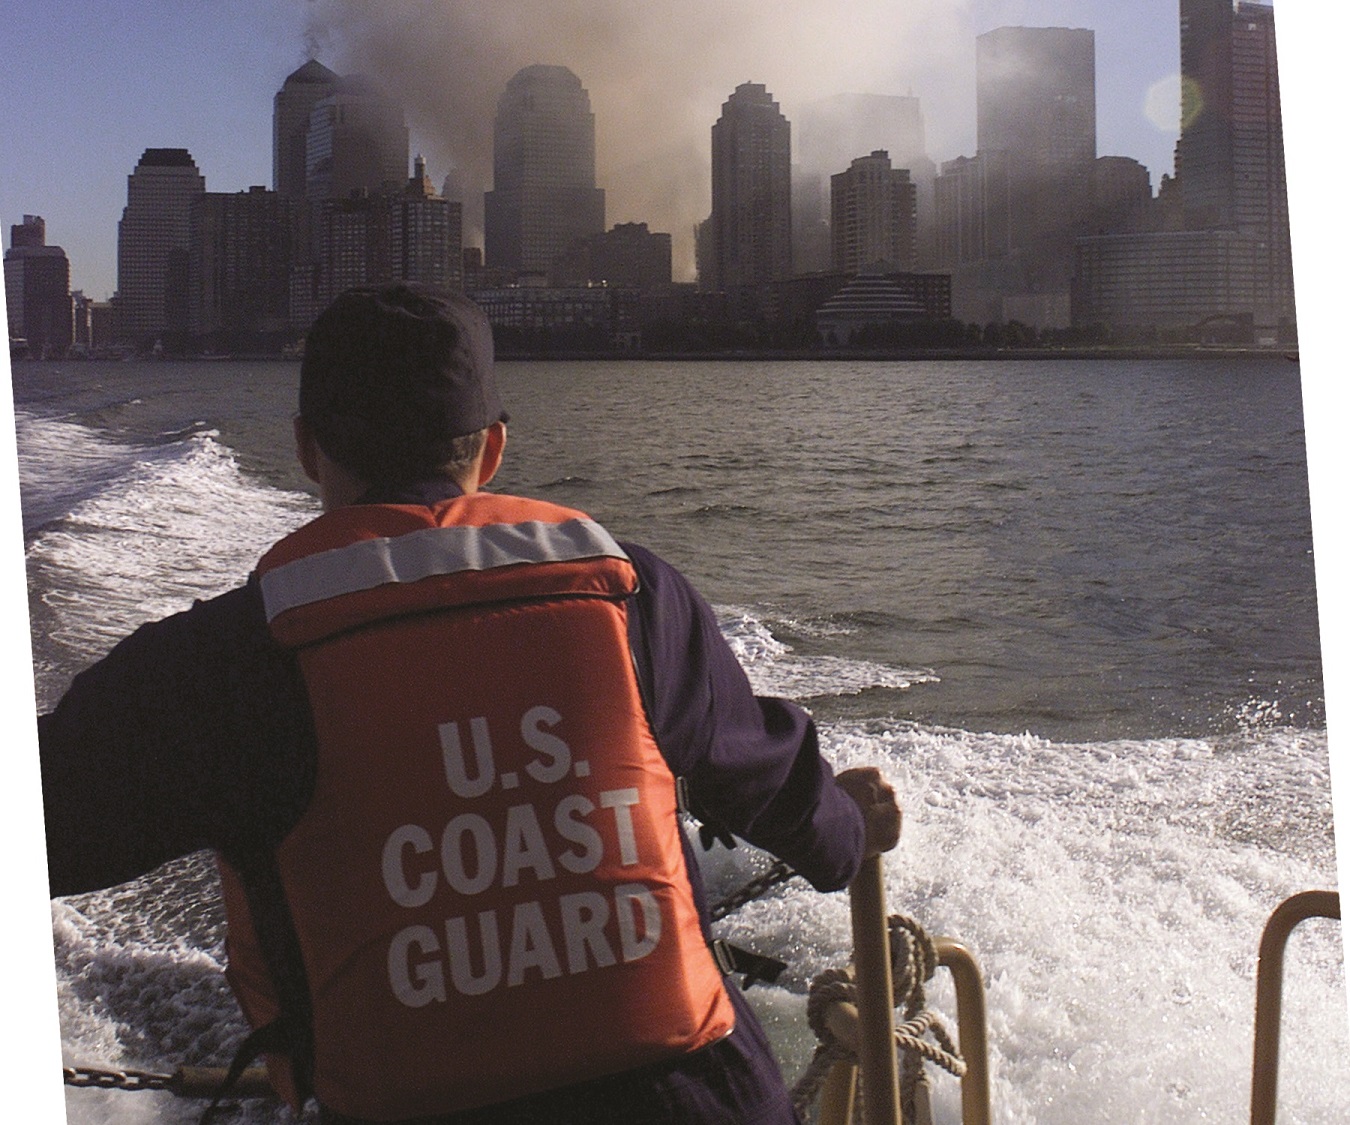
[[195, 733]]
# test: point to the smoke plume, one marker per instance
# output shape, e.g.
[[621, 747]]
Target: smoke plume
[[657, 72]]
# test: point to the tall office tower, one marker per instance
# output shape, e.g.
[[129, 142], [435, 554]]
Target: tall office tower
[[1205, 146], [751, 220], [832, 131], [1230, 154], [357, 141], [872, 215], [426, 234], [241, 255], [37, 290], [291, 109], [543, 196], [153, 241], [1036, 101]]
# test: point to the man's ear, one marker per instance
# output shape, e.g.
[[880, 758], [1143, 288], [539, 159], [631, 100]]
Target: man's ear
[[494, 446]]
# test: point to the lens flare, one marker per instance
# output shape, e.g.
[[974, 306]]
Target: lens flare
[[1162, 102], [1192, 101]]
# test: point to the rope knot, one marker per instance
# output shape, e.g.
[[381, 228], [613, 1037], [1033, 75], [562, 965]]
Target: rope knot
[[914, 960]]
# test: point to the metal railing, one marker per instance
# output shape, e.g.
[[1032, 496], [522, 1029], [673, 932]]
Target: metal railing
[[1270, 988], [871, 1024]]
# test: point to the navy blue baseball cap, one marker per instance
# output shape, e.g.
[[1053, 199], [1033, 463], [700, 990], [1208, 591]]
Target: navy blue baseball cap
[[392, 374]]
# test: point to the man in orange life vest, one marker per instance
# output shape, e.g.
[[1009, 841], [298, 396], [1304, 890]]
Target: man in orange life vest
[[434, 741]]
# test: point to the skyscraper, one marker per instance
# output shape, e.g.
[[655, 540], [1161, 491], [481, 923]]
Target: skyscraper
[[291, 109], [1220, 265], [1036, 101], [357, 141], [872, 215], [1230, 154], [153, 241], [750, 228], [543, 196], [37, 290]]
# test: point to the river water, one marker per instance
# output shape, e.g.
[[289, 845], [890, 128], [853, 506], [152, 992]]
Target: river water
[[1068, 607]]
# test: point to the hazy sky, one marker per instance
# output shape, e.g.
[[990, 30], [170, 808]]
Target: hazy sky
[[87, 86]]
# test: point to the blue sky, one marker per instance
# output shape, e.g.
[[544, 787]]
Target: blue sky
[[88, 86]]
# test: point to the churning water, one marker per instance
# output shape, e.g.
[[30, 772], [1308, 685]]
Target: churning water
[[1068, 607]]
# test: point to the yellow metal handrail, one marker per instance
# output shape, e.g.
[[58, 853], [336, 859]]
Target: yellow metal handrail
[[1269, 992], [869, 1028], [972, 1025], [872, 968]]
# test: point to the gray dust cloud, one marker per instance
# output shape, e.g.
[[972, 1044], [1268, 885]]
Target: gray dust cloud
[[657, 73]]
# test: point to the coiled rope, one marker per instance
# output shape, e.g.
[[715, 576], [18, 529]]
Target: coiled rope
[[914, 959]]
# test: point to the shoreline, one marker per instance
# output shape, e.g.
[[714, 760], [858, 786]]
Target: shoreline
[[901, 354], [1181, 352]]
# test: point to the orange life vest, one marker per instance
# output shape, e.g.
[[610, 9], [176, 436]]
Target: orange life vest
[[488, 887]]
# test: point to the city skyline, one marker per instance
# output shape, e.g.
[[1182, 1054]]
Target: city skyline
[[70, 149]]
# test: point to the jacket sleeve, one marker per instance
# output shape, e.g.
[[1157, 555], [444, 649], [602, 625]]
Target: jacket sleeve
[[752, 762], [183, 737]]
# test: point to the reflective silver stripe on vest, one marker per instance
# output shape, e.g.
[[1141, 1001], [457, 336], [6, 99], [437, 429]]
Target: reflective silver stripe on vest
[[434, 550]]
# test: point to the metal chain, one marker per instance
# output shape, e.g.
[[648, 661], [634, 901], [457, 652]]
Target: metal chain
[[780, 872], [88, 1076], [96, 1078]]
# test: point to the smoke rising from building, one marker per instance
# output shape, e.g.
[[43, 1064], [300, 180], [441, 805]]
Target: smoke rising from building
[[657, 73]]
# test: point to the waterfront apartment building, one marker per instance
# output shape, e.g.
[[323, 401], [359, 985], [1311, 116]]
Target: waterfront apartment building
[[291, 110], [243, 246], [348, 245], [1122, 196], [543, 196], [366, 238], [829, 133], [749, 232], [426, 234], [37, 290], [153, 241], [873, 215], [628, 256], [972, 210]]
